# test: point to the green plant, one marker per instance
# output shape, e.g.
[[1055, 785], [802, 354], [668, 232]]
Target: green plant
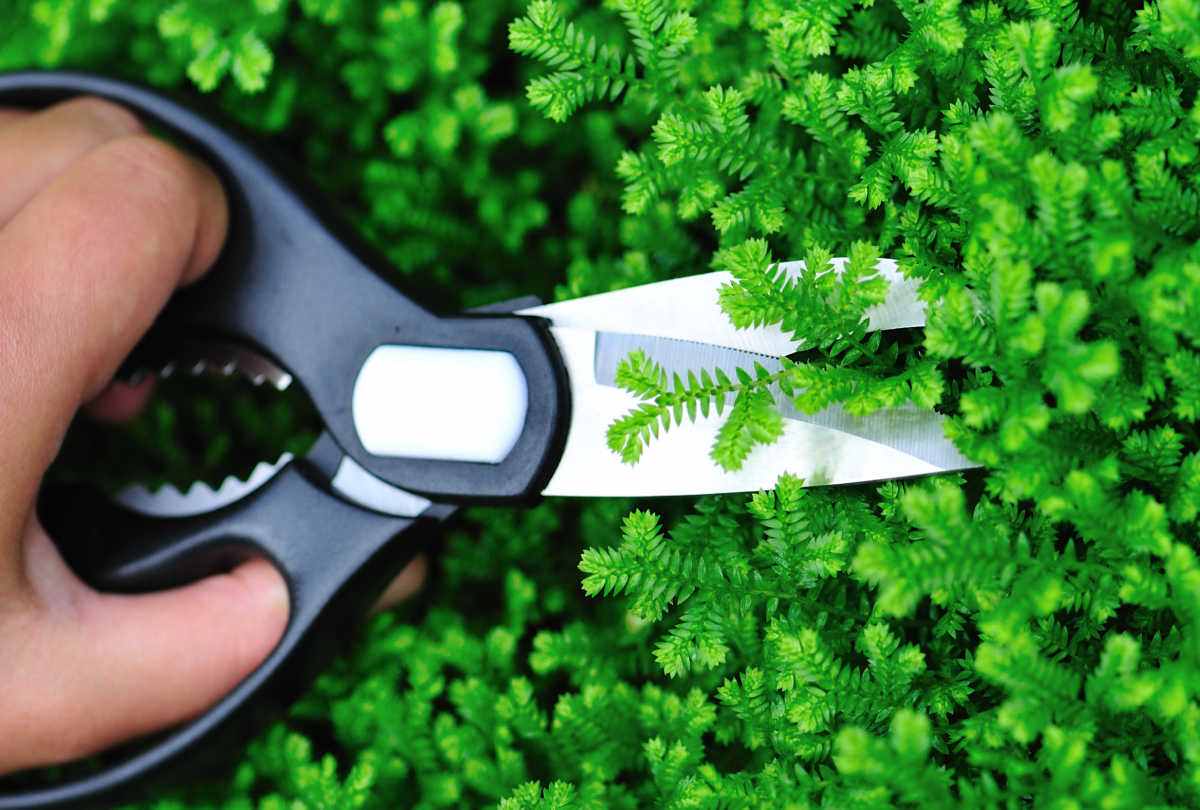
[[1021, 635]]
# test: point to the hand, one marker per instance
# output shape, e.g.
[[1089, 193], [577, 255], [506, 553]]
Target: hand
[[99, 223]]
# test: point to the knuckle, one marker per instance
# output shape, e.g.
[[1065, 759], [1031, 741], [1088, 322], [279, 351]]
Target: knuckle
[[154, 177], [106, 118], [153, 163]]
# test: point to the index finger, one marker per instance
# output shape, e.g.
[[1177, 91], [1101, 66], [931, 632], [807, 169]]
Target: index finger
[[84, 269], [35, 147]]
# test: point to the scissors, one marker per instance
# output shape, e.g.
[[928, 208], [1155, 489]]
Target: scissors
[[422, 413]]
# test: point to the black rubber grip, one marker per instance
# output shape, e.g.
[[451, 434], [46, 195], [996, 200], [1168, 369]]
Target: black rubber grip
[[300, 288]]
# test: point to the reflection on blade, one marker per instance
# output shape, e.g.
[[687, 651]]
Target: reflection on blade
[[687, 309], [830, 447]]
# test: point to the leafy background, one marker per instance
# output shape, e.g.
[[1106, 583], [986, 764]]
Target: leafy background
[[1021, 636]]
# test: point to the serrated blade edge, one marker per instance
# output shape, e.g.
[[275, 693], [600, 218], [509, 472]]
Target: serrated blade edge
[[199, 498]]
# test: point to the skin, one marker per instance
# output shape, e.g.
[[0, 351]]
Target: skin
[[99, 224]]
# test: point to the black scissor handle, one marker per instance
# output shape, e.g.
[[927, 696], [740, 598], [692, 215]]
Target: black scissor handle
[[307, 296], [336, 558], [299, 288]]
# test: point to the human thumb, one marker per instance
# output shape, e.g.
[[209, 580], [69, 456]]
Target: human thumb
[[85, 670]]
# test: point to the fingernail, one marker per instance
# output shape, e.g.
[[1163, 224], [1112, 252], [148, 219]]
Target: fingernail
[[269, 586]]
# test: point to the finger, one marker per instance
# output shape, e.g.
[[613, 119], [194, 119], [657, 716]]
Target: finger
[[120, 401], [87, 265], [405, 585], [37, 147], [98, 669], [9, 116]]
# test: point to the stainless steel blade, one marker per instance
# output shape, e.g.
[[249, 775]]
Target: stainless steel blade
[[830, 447], [687, 309]]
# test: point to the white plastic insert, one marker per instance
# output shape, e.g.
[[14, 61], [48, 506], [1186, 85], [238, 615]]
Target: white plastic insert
[[443, 404]]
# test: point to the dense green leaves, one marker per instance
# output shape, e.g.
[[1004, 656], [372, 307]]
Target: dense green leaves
[[1022, 635]]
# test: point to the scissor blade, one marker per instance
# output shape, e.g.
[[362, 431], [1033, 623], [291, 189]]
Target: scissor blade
[[830, 447], [687, 309]]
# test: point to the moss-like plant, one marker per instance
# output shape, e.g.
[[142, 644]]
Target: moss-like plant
[[1024, 635]]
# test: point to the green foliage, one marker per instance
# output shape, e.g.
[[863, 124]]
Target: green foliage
[[1022, 635], [752, 420]]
